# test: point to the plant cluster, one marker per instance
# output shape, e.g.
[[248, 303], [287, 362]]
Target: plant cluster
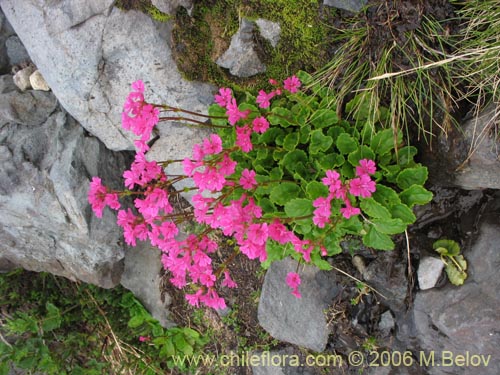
[[284, 176], [455, 263], [52, 325]]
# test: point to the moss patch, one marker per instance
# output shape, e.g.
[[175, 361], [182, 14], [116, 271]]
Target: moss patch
[[202, 38]]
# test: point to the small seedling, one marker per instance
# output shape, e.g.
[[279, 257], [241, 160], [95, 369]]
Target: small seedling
[[455, 263]]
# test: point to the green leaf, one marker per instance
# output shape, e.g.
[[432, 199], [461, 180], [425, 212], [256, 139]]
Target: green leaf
[[323, 118], [412, 176], [374, 209], [275, 252], [389, 226], [271, 135], [415, 194], [351, 226], [217, 111], [319, 262], [291, 141], [315, 189], [383, 142], [167, 350], [403, 212], [451, 248], [53, 319], [319, 142], [305, 134], [332, 244], [346, 144], [284, 192], [136, 321], [363, 152], [406, 154], [377, 240], [281, 116], [331, 161], [386, 196], [457, 275], [182, 345], [299, 207], [294, 160], [304, 77]]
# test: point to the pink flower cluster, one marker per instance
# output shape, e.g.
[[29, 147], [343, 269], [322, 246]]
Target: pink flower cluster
[[138, 116], [293, 281], [360, 186], [212, 169], [99, 197]]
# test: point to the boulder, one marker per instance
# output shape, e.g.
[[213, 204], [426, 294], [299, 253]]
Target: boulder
[[47, 161], [299, 321], [241, 58], [89, 52], [463, 321]]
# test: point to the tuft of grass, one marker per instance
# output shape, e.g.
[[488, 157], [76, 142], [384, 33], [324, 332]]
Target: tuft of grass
[[478, 55], [373, 49]]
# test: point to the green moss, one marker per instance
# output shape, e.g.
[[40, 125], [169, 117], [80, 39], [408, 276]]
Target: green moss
[[205, 36], [144, 6]]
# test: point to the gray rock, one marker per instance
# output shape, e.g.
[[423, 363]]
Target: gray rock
[[89, 57], [7, 84], [350, 5], [386, 322], [142, 277], [269, 30], [388, 276], [429, 271], [461, 320], [482, 169], [170, 6], [30, 108], [241, 58], [15, 51], [467, 157], [290, 319], [46, 222]]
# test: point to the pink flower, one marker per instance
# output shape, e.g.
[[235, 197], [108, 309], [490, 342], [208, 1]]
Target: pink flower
[[138, 86], [144, 338], [293, 281], [213, 145], [279, 233], [228, 281], [366, 166], [227, 166], [247, 180], [260, 124], [349, 210], [292, 84], [362, 186], [99, 197], [233, 113], [243, 138], [263, 99], [224, 97]]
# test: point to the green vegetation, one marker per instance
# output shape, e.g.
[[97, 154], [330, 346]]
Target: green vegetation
[[144, 6], [55, 326], [203, 37], [456, 265]]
